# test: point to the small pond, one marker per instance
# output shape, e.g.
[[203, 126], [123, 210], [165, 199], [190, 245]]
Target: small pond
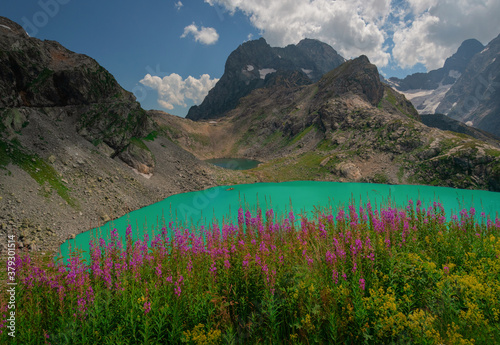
[[234, 163]]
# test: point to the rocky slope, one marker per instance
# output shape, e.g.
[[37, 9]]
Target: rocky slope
[[346, 127], [255, 64], [446, 123], [426, 90], [475, 97], [76, 150]]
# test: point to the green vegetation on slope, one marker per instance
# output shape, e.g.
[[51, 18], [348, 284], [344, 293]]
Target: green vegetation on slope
[[41, 171]]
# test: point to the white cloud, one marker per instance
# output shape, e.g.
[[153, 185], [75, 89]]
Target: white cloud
[[351, 27], [203, 35], [178, 5], [440, 26], [423, 31], [173, 90]]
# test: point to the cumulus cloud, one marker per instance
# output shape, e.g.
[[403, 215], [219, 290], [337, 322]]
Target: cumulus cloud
[[440, 26], [203, 35], [178, 5], [405, 32], [173, 90], [351, 27]]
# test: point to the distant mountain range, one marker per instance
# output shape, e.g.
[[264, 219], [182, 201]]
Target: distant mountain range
[[348, 126], [475, 97], [466, 88], [255, 64]]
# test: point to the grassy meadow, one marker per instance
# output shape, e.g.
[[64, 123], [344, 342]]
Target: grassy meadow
[[364, 275]]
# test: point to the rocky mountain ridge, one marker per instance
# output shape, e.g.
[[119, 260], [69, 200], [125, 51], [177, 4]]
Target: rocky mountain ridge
[[346, 127], [255, 64], [475, 97], [426, 90]]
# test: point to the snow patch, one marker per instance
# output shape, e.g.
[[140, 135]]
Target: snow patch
[[265, 71], [484, 50], [250, 68], [5, 26], [494, 59], [454, 74], [307, 72], [426, 101], [469, 123]]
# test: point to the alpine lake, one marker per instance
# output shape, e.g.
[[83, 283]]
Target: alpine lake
[[220, 204]]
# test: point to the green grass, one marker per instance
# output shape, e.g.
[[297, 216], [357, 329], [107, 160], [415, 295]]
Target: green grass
[[41, 171], [301, 135]]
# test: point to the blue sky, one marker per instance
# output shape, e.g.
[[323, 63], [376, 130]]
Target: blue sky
[[170, 53]]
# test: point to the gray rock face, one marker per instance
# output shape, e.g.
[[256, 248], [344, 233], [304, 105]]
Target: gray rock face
[[255, 64], [453, 67], [475, 97], [446, 123]]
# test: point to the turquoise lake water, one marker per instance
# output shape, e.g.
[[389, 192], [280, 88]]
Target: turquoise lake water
[[222, 203], [234, 163]]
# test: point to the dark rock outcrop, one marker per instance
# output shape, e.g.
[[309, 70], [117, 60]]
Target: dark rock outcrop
[[357, 76], [446, 123], [38, 74]]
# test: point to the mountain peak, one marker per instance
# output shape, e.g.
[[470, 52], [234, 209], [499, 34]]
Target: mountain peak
[[8, 26], [255, 64], [357, 76], [459, 60]]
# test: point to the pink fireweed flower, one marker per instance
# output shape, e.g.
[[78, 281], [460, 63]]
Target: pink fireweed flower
[[291, 217], [147, 307], [270, 215], [169, 279], [340, 215], [329, 257], [227, 265], [335, 276], [362, 284], [310, 260], [158, 270], [248, 217], [446, 270], [213, 269], [114, 235], [178, 289]]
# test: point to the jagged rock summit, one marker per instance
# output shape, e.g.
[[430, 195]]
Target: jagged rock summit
[[475, 97], [453, 68], [255, 64], [426, 90]]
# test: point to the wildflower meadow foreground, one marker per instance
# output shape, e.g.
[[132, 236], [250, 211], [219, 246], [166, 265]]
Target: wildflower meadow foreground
[[361, 276]]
